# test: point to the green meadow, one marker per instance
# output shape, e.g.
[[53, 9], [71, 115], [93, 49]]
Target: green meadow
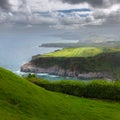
[[23, 100]]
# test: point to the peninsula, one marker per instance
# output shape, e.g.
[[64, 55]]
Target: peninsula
[[83, 63]]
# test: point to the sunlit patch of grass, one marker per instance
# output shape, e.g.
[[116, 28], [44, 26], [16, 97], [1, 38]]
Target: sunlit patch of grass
[[80, 52]]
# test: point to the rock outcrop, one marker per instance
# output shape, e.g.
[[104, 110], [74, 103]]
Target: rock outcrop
[[56, 70]]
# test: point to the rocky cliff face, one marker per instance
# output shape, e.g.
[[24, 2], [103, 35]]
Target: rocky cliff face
[[56, 70]]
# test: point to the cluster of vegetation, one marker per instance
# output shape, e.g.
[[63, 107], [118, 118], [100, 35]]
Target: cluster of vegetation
[[23, 100], [96, 89], [31, 76]]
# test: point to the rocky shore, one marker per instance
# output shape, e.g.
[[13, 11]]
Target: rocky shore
[[56, 70]]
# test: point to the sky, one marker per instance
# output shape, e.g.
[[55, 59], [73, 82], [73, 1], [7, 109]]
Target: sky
[[68, 19]]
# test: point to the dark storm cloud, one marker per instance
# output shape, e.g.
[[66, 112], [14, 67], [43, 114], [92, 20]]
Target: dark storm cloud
[[94, 3], [4, 4]]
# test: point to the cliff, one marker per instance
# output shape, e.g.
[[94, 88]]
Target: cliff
[[56, 70]]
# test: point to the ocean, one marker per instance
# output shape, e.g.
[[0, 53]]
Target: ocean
[[15, 52], [17, 49]]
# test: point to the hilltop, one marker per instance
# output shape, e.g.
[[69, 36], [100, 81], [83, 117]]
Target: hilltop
[[22, 100], [81, 52]]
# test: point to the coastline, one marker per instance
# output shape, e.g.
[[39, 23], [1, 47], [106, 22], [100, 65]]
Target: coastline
[[76, 64], [56, 70]]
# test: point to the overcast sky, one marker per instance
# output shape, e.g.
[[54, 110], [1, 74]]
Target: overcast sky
[[71, 16]]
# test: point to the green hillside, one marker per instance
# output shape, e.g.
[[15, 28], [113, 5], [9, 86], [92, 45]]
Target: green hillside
[[80, 52], [22, 100]]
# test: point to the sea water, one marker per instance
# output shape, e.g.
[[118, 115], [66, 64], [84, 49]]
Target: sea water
[[17, 49]]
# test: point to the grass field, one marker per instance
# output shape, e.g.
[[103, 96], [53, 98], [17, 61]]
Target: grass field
[[22, 100], [80, 52]]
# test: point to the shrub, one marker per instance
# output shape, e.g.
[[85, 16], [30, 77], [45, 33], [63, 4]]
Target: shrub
[[31, 76], [96, 89]]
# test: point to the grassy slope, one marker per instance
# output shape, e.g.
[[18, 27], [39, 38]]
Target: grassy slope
[[22, 100], [80, 52]]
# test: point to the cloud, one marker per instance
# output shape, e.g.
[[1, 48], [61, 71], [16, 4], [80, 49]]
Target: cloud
[[9, 5], [93, 3], [60, 15], [5, 5], [74, 19], [110, 15]]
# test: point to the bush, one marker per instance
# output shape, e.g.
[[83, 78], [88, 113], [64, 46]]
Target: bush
[[96, 89], [32, 77]]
